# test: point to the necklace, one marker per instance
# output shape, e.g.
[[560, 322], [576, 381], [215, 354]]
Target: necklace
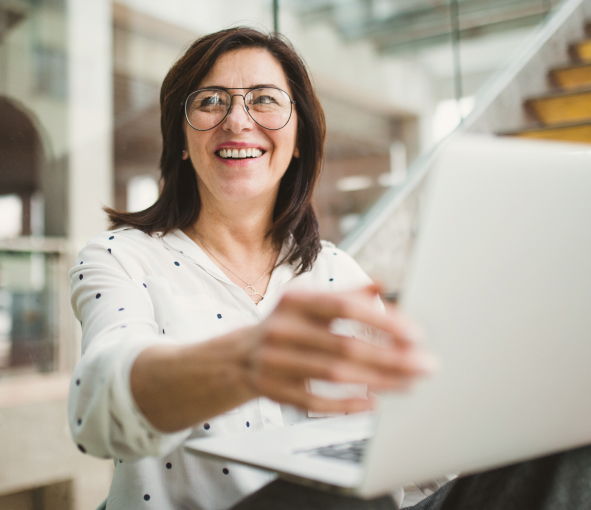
[[250, 289]]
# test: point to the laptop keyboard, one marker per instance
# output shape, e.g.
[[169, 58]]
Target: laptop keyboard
[[351, 451]]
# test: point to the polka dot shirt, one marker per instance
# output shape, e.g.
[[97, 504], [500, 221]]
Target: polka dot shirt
[[131, 291]]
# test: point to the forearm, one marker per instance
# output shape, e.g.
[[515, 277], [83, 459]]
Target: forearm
[[177, 387]]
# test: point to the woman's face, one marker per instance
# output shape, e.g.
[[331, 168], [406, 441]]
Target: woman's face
[[222, 180]]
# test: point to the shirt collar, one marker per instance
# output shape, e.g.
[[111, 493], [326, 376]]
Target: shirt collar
[[179, 242]]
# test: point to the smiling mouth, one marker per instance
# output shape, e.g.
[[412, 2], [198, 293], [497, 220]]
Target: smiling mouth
[[240, 153]]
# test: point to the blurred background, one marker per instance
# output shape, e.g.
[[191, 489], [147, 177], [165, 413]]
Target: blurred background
[[79, 129]]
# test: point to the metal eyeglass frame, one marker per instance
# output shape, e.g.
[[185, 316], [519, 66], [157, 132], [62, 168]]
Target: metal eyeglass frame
[[243, 96]]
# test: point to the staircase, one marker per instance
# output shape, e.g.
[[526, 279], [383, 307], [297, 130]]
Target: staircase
[[523, 101], [564, 113]]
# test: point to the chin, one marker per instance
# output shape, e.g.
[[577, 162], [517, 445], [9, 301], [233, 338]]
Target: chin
[[240, 192]]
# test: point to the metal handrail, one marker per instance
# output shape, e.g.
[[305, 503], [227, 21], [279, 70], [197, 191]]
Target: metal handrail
[[389, 202]]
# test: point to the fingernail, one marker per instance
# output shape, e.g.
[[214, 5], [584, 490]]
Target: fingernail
[[427, 363]]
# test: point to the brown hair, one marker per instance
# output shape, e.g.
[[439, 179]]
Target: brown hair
[[179, 204]]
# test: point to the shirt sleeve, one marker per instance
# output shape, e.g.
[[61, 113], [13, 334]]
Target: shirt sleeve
[[113, 306]]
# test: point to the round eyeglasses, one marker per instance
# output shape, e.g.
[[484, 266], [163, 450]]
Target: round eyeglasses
[[269, 107]]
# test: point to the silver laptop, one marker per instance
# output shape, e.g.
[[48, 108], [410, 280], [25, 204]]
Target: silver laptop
[[501, 281]]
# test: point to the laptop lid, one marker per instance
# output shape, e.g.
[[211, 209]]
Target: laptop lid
[[501, 282]]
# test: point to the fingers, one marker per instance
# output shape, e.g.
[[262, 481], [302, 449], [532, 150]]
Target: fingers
[[356, 305], [293, 332], [308, 350], [298, 364]]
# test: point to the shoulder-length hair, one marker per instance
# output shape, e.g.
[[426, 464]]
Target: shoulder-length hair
[[179, 204]]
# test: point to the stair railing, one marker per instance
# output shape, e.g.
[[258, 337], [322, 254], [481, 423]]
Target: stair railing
[[392, 199]]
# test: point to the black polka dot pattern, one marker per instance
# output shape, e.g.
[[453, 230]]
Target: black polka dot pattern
[[111, 238], [110, 304], [81, 262]]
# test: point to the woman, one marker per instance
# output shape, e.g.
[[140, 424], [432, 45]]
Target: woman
[[214, 311]]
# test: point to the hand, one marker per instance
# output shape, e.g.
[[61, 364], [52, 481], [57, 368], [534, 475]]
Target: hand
[[295, 344]]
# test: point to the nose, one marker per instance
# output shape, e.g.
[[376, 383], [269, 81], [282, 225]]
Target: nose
[[238, 118]]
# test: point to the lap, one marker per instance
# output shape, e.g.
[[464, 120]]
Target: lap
[[555, 482], [282, 495]]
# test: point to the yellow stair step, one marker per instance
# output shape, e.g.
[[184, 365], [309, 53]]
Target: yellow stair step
[[579, 132], [581, 51], [562, 107], [572, 77]]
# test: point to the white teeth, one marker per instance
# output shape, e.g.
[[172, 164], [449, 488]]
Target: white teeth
[[240, 154]]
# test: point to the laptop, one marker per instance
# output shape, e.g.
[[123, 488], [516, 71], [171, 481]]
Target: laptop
[[501, 281]]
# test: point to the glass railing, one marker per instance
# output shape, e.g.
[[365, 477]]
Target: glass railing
[[453, 47], [520, 73]]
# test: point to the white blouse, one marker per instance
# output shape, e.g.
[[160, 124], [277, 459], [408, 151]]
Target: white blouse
[[131, 291]]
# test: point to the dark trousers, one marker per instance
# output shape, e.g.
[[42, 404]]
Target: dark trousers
[[556, 482]]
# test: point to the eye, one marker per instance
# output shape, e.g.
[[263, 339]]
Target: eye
[[264, 100], [211, 100]]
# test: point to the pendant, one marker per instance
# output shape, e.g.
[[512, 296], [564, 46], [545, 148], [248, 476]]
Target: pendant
[[251, 291]]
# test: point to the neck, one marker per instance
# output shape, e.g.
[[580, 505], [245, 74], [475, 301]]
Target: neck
[[234, 238], [236, 228], [237, 245]]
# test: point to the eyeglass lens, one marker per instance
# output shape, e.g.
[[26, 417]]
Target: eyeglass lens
[[268, 107]]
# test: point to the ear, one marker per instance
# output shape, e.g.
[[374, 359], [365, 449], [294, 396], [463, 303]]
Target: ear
[[296, 152], [185, 154]]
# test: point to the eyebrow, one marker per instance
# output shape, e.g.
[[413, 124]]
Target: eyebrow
[[257, 86]]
